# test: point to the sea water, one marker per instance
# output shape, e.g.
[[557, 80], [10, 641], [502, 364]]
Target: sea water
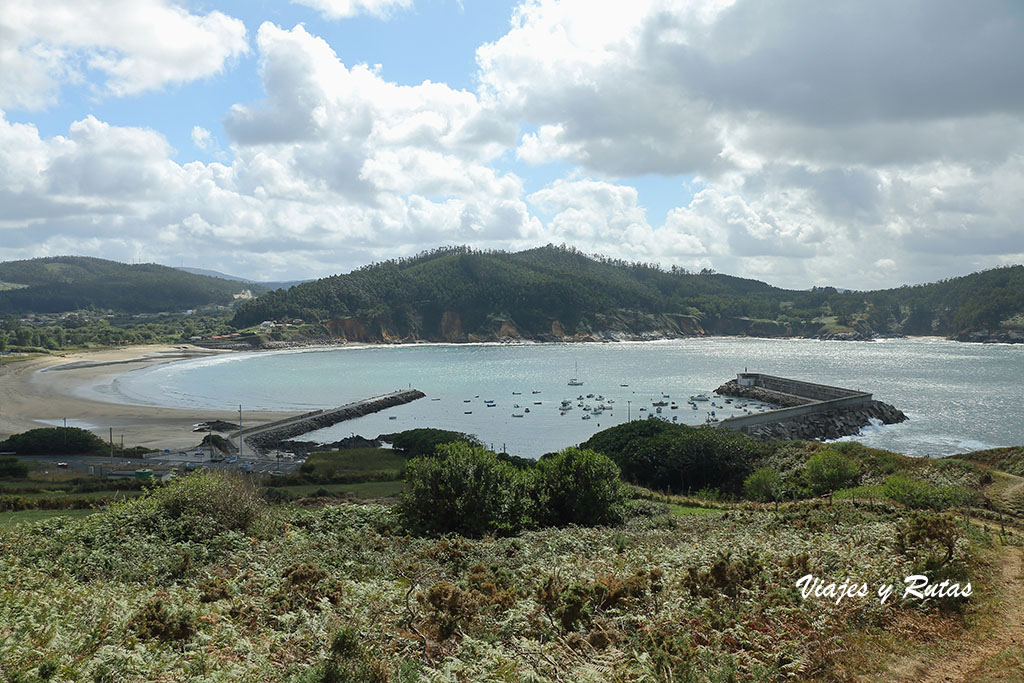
[[958, 396]]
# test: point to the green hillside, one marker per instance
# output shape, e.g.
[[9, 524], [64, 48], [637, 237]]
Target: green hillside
[[551, 292], [70, 283]]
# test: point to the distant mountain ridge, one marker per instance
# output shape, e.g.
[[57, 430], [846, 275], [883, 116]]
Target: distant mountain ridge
[[549, 294], [261, 286], [68, 283], [557, 293]]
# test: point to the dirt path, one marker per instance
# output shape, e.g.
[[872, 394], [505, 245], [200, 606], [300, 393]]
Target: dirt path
[[974, 657]]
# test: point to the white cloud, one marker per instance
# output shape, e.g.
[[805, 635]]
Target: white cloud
[[343, 9], [137, 45], [201, 137], [839, 144]]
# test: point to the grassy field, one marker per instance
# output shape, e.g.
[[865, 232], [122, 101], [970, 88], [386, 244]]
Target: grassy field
[[356, 462], [690, 510], [9, 519]]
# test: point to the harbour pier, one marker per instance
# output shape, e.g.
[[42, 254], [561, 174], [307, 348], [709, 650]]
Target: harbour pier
[[266, 437], [808, 410]]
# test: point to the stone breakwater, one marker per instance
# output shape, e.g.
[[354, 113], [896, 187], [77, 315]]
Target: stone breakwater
[[268, 437], [807, 411], [829, 424]]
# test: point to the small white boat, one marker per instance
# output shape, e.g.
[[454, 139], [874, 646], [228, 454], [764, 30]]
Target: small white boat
[[517, 414], [700, 397], [586, 417], [574, 382]]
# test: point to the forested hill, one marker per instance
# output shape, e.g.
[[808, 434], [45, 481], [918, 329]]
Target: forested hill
[[69, 283], [458, 294]]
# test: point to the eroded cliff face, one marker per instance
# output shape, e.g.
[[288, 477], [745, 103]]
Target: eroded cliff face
[[620, 325], [450, 327]]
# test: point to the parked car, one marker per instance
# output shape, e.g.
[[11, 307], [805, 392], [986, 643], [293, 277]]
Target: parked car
[[232, 459]]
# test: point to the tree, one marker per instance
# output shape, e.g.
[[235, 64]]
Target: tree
[[828, 471]]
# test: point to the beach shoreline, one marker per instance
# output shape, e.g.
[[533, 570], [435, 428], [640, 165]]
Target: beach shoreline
[[44, 391]]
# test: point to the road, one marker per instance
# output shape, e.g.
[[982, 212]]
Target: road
[[82, 463]]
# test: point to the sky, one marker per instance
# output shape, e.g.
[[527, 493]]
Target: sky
[[862, 145]]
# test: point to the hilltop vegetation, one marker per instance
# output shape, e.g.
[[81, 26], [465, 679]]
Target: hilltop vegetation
[[459, 294], [70, 283], [496, 570], [201, 579]]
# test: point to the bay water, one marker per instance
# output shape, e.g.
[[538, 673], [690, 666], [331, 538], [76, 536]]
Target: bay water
[[959, 397]]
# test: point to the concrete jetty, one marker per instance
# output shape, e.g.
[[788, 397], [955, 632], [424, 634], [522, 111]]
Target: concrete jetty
[[268, 436], [809, 410]]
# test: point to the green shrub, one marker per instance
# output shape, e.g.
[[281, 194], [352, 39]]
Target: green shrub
[[764, 485], [580, 487], [828, 470], [158, 621], [464, 489], [200, 505]]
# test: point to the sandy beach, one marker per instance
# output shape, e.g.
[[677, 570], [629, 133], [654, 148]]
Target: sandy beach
[[41, 392]]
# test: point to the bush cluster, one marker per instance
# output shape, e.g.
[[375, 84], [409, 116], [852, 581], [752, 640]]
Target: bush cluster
[[678, 458], [425, 441], [468, 490], [54, 441], [198, 506], [10, 468]]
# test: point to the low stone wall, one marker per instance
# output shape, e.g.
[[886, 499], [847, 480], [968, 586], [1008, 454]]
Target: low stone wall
[[266, 439], [733, 388]]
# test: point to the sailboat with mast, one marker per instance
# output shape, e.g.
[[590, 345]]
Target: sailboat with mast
[[574, 382]]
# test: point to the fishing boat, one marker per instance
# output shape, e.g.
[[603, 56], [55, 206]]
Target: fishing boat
[[700, 397], [517, 414]]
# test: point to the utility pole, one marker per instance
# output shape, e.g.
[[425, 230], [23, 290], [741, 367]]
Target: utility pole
[[111, 443], [240, 441], [629, 413]]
